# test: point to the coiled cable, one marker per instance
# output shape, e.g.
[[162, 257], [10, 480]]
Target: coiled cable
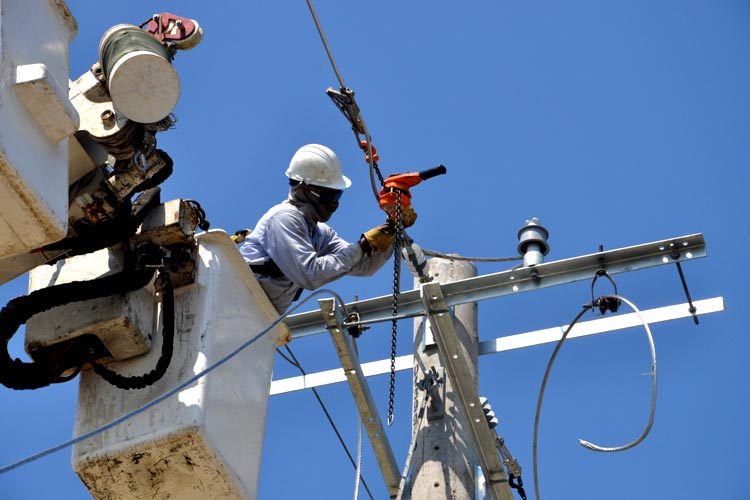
[[584, 443]]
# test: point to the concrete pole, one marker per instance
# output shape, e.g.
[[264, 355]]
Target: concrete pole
[[443, 460]]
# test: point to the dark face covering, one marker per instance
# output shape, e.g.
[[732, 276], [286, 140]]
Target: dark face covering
[[316, 207]]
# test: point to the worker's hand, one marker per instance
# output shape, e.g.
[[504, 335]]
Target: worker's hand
[[408, 216], [240, 235], [378, 239]]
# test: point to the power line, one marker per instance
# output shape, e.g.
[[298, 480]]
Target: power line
[[435, 253], [295, 362]]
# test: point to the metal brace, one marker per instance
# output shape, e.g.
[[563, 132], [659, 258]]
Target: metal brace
[[508, 459], [676, 256]]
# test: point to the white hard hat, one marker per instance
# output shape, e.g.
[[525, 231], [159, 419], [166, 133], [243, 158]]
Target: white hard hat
[[317, 165]]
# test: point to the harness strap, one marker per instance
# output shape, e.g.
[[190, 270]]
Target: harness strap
[[270, 268]]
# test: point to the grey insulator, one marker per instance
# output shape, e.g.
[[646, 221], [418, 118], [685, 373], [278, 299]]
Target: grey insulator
[[532, 238]]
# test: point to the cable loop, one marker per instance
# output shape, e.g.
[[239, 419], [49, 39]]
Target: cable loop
[[652, 410], [584, 443]]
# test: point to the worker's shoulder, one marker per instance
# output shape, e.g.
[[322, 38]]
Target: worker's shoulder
[[283, 212]]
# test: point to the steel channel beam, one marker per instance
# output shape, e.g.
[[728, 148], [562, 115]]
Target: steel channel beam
[[365, 404], [511, 342], [458, 368], [633, 258]]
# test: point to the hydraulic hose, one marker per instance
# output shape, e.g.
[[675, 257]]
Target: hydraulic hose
[[17, 374]]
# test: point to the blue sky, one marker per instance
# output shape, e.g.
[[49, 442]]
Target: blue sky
[[616, 123]]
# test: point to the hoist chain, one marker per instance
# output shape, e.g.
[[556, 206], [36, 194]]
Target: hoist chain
[[374, 164], [394, 304]]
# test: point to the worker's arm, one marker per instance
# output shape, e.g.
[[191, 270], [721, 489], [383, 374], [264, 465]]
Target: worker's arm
[[367, 265], [289, 245]]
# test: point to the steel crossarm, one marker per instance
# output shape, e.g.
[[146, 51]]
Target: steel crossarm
[[633, 258]]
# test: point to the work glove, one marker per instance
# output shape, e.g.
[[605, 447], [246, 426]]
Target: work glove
[[408, 216], [378, 239], [240, 235]]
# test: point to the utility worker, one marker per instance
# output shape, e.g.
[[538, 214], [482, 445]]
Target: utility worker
[[292, 248]]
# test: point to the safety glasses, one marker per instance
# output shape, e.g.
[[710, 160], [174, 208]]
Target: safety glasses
[[326, 196]]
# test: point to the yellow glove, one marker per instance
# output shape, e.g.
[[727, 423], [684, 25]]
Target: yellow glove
[[408, 216], [379, 239], [239, 236]]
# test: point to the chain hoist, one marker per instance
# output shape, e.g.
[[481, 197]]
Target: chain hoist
[[394, 305]]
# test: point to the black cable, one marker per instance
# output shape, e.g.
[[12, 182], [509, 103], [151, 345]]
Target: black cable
[[295, 362], [17, 374], [128, 382]]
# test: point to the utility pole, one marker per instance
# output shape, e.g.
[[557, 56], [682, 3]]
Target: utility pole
[[443, 461]]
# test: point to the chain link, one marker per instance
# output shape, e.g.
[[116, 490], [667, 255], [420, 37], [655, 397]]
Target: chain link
[[394, 303]]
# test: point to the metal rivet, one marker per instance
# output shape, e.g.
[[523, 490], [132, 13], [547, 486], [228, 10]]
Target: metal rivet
[[352, 372], [664, 259], [472, 404], [515, 288], [684, 243], [434, 297], [689, 255], [108, 117], [512, 278], [661, 248], [455, 356]]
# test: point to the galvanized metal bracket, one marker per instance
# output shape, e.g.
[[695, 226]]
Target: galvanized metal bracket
[[434, 383], [458, 367], [363, 398], [524, 279]]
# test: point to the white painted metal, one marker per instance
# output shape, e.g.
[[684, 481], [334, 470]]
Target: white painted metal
[[488, 286], [368, 410], [510, 342], [46, 101], [124, 323], [92, 101], [33, 167], [206, 442]]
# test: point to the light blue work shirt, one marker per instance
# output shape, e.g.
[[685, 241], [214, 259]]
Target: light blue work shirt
[[309, 254]]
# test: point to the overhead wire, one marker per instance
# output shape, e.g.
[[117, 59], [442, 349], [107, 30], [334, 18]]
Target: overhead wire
[[449, 256], [325, 43], [117, 421], [358, 468], [584, 443], [296, 363], [370, 158]]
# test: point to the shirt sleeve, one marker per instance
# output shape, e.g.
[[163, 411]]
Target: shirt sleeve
[[369, 264], [365, 266], [289, 244]]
